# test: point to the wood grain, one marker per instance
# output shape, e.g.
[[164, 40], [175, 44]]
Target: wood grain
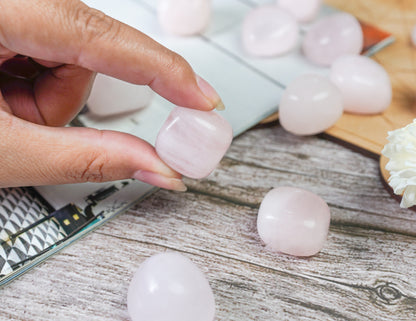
[[364, 272]]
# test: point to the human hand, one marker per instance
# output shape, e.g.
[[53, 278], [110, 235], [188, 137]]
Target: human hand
[[49, 53]]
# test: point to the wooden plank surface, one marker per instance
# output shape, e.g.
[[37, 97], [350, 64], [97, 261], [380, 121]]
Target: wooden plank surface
[[366, 270]]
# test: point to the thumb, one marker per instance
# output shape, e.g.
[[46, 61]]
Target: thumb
[[38, 155]]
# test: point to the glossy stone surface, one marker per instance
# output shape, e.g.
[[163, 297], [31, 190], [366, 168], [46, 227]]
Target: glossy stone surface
[[310, 105], [293, 221], [111, 96], [184, 17], [303, 10], [332, 37], [364, 84], [269, 31], [193, 142], [413, 36], [170, 287]]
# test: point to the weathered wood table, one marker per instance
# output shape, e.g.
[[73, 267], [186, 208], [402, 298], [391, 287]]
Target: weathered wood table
[[366, 271]]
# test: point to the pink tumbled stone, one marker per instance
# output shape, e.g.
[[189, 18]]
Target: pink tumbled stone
[[193, 142], [310, 105], [293, 221], [184, 17], [111, 96], [170, 287], [332, 37], [413, 36], [303, 10], [269, 31], [364, 84]]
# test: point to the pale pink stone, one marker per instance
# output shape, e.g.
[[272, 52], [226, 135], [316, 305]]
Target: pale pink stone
[[170, 287], [293, 221], [193, 142], [310, 105], [413, 36], [303, 10], [332, 37], [111, 96], [184, 17], [269, 31], [364, 84]]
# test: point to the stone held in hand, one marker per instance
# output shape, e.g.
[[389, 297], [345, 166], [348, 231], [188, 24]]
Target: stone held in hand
[[293, 221], [169, 286], [193, 142], [310, 105], [331, 37], [364, 84], [110, 96], [269, 31], [303, 10], [184, 17]]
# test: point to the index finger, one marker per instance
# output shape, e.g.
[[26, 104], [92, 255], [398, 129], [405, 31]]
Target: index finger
[[71, 32]]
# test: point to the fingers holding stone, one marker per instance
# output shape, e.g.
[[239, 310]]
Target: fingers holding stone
[[39, 155]]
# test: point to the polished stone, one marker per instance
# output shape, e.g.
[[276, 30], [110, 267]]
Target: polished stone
[[111, 96], [293, 221], [303, 10], [310, 105], [170, 287], [413, 36], [184, 17], [331, 37], [269, 31], [364, 84], [193, 142]]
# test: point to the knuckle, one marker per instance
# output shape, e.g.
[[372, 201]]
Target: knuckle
[[174, 63], [89, 169], [93, 24], [86, 164]]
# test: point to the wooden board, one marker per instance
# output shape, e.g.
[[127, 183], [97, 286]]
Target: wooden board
[[365, 271], [368, 134]]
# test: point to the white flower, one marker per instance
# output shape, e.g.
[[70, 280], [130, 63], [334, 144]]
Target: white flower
[[401, 151]]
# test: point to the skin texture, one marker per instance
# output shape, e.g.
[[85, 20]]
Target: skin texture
[[48, 61]]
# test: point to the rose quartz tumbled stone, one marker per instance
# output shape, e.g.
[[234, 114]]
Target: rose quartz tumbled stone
[[413, 36], [111, 96], [303, 10], [184, 17], [310, 105], [269, 31], [332, 37], [293, 221], [364, 84], [169, 287], [193, 142]]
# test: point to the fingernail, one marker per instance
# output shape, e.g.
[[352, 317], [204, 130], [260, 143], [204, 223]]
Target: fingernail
[[210, 93], [220, 106], [159, 180]]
